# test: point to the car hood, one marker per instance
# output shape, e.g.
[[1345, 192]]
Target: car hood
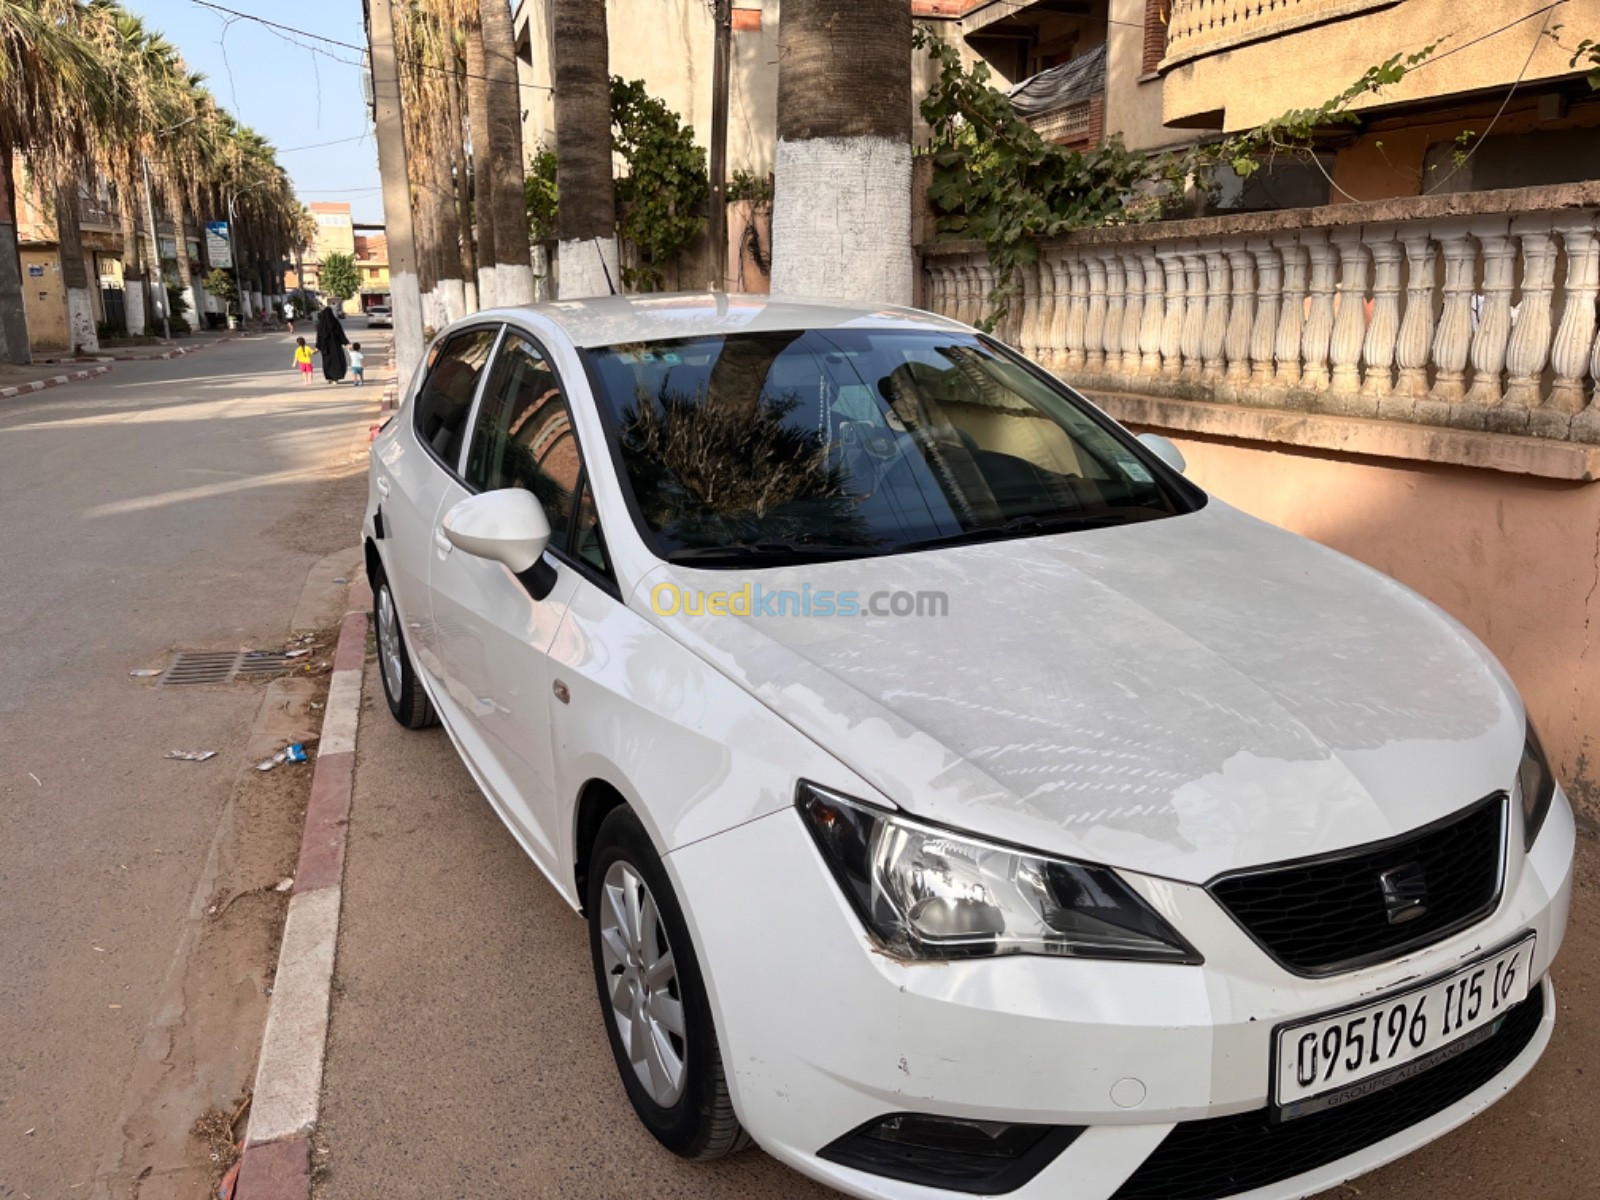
[[1179, 697]]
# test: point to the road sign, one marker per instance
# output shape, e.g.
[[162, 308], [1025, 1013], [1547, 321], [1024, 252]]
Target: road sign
[[219, 247]]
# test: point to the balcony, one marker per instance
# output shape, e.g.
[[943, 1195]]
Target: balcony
[[1448, 328], [1200, 27], [1066, 103]]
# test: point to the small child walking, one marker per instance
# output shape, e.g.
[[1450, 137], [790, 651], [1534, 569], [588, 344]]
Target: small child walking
[[357, 363], [302, 359]]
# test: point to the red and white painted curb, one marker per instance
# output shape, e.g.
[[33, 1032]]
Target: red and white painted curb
[[175, 352], [39, 385], [277, 1156]]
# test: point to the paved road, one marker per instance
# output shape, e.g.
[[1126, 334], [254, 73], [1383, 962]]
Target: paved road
[[467, 1055], [167, 504]]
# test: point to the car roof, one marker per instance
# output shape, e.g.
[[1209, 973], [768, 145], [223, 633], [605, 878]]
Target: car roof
[[608, 320]]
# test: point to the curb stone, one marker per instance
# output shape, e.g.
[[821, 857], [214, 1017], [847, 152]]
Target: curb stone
[[39, 385], [276, 1164], [176, 351]]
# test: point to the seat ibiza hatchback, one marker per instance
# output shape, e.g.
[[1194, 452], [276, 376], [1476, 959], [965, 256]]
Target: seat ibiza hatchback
[[960, 800]]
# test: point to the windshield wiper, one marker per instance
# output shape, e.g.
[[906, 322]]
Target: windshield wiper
[[1023, 526], [773, 550]]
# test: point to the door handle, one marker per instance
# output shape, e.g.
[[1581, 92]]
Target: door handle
[[383, 487], [444, 544]]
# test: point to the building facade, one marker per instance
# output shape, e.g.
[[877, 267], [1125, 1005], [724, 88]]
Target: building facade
[[336, 234], [44, 293], [372, 264]]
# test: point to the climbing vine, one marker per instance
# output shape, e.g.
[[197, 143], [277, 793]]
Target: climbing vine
[[661, 199], [996, 180], [539, 195]]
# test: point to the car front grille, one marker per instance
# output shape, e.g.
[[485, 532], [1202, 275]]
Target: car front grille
[[1324, 915], [1224, 1156]]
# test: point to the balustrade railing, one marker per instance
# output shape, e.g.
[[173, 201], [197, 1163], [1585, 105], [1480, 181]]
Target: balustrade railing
[[1484, 322], [1198, 27]]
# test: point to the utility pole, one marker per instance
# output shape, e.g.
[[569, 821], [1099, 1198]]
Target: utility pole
[[403, 293], [718, 230]]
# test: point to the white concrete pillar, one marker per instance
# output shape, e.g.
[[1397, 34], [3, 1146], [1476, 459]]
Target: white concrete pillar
[[1215, 331], [1453, 338], [1076, 339], [1318, 333], [1132, 311], [1155, 301], [1116, 300], [1241, 311], [1415, 340], [1377, 351], [1173, 319], [1569, 358], [1269, 296], [1094, 326], [1291, 319], [1194, 310], [1529, 347], [1494, 317], [1350, 318]]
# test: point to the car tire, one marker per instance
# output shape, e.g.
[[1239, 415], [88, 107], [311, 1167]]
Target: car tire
[[690, 1114], [408, 703]]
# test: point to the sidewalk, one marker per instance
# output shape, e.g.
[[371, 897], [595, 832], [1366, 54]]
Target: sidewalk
[[467, 1054]]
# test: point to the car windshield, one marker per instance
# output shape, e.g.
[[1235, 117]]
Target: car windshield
[[826, 443]]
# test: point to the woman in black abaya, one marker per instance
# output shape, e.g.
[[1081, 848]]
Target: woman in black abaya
[[331, 342]]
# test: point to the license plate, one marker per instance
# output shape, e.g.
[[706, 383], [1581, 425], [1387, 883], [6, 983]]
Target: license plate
[[1346, 1055]]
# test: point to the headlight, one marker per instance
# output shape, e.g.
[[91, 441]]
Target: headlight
[[1536, 787], [928, 893]]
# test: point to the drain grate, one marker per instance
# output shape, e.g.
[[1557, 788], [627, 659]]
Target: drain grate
[[262, 662], [221, 666]]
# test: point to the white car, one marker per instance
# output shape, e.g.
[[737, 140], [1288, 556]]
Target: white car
[[961, 801], [380, 314]]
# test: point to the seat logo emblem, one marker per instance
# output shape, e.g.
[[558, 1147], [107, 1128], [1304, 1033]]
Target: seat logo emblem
[[1405, 892]]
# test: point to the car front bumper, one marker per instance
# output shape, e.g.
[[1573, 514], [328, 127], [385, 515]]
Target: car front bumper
[[822, 1032]]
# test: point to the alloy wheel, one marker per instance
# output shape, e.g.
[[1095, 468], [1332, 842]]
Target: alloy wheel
[[642, 981], [389, 641]]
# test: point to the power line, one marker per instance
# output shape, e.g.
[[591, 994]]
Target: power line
[[1486, 36], [1515, 83], [292, 31], [360, 137]]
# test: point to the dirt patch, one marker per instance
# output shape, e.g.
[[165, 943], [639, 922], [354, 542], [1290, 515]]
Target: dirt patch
[[323, 525], [183, 1118], [220, 1133]]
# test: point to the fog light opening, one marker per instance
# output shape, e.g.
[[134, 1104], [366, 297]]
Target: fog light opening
[[980, 1158]]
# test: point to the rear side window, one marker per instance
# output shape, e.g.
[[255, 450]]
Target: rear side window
[[445, 398]]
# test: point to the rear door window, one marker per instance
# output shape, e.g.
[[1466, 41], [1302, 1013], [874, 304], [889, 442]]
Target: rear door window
[[445, 399]]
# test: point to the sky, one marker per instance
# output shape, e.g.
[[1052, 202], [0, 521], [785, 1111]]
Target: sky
[[293, 96]]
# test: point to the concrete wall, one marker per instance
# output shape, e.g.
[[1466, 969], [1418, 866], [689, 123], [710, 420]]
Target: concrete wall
[[1248, 82], [44, 299], [1133, 99], [1515, 559], [668, 44]]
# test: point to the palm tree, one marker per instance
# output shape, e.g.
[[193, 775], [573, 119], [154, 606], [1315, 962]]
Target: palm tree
[[425, 45], [841, 214], [513, 270], [587, 216], [49, 79], [478, 136]]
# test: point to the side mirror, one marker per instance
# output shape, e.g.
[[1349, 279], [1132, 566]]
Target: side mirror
[[507, 526], [1163, 449]]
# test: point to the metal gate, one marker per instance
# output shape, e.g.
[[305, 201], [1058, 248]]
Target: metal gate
[[116, 313]]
